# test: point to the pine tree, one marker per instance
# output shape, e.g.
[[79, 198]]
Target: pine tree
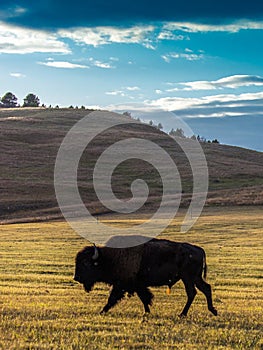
[[31, 100], [9, 100]]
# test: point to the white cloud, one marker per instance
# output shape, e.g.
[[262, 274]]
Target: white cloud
[[173, 103], [124, 91], [148, 44], [116, 59], [18, 11], [212, 106], [116, 93], [17, 75], [12, 12], [62, 64], [95, 107], [232, 82], [100, 64], [166, 58], [175, 89], [18, 40], [198, 27], [150, 35], [187, 55], [129, 106], [132, 88], [106, 35], [158, 92], [235, 81], [168, 35]]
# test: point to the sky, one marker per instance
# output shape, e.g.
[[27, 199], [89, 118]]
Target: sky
[[201, 60]]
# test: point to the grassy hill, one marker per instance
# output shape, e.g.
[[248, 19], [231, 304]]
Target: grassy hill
[[29, 141]]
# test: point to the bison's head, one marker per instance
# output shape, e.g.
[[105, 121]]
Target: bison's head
[[86, 271]]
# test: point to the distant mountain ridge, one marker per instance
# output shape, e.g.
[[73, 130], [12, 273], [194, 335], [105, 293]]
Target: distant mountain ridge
[[29, 141]]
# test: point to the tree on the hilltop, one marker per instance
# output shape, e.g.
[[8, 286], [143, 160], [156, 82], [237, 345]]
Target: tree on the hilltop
[[215, 141], [127, 114], [151, 123], [172, 132], [31, 100], [9, 100], [159, 126], [177, 133]]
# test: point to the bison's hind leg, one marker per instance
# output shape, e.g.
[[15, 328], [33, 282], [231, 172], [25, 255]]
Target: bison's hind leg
[[205, 288], [146, 297], [115, 296]]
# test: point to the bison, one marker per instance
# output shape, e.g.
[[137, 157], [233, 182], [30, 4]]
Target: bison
[[132, 270]]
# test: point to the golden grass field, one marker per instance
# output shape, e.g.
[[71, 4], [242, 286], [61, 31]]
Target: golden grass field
[[43, 308]]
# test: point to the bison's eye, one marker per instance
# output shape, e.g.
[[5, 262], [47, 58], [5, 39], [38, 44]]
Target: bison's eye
[[96, 263], [86, 263]]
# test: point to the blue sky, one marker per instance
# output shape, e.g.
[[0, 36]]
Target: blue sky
[[201, 59]]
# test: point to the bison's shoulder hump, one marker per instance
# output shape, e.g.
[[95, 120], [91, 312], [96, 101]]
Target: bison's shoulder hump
[[161, 247], [163, 243]]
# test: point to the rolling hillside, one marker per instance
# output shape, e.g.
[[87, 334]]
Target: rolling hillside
[[29, 141]]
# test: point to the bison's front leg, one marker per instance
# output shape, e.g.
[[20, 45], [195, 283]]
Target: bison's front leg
[[116, 295], [191, 293], [146, 297]]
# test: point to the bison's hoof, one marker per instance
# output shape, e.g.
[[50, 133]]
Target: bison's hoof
[[214, 311], [145, 317], [182, 315], [103, 312]]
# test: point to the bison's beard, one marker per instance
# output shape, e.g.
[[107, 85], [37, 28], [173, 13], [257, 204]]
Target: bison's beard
[[88, 286]]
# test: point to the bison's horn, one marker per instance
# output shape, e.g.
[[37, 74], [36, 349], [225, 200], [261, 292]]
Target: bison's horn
[[96, 253]]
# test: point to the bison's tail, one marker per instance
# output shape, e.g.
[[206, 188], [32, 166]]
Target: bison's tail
[[204, 266]]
